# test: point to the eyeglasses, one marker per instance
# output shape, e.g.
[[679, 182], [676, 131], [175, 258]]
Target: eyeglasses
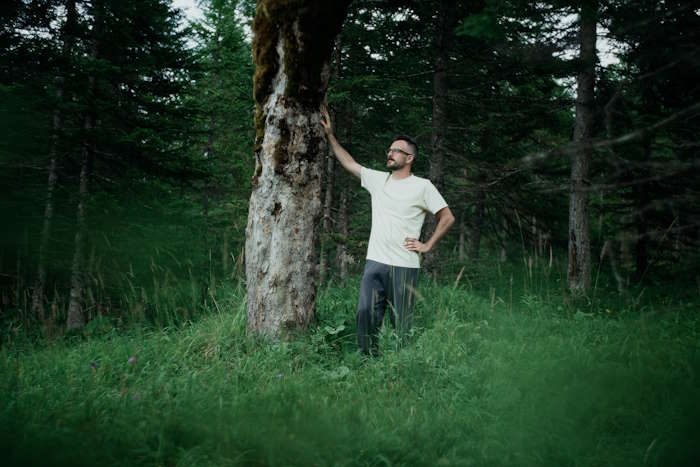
[[395, 151]]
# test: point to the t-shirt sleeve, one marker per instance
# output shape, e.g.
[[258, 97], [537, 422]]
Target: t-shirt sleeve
[[372, 180], [433, 199]]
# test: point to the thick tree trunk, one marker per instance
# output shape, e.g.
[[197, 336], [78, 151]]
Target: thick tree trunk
[[444, 31], [579, 270], [292, 47]]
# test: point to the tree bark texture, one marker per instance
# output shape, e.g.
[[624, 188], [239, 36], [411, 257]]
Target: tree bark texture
[[579, 270], [444, 31], [292, 46]]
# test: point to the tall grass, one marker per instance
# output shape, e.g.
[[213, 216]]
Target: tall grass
[[482, 382]]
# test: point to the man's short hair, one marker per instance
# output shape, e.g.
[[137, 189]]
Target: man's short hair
[[412, 145]]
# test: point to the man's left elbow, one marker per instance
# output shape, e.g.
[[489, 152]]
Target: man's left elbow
[[449, 219]]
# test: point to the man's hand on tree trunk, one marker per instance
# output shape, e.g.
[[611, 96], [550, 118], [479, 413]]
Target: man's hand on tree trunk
[[326, 120]]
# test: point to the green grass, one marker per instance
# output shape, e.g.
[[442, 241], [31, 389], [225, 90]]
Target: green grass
[[483, 382]]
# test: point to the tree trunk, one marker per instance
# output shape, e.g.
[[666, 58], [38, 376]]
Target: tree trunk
[[579, 270], [76, 311], [642, 200], [292, 46], [67, 32], [76, 314], [443, 35], [327, 227], [341, 249], [210, 156], [38, 292], [462, 236], [330, 172], [477, 226]]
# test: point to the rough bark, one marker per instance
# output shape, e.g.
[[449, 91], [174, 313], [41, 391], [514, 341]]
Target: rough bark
[[444, 31], [292, 47], [579, 270]]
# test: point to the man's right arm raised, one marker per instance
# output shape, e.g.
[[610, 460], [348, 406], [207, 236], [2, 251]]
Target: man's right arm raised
[[341, 154]]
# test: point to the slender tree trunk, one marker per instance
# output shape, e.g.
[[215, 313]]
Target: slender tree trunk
[[76, 307], [327, 226], [503, 255], [76, 313], [642, 202], [292, 47], [444, 32], [38, 292], [330, 172], [341, 249], [579, 270], [461, 245], [477, 226], [209, 156], [67, 32]]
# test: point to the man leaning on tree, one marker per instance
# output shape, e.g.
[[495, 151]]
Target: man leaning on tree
[[400, 201]]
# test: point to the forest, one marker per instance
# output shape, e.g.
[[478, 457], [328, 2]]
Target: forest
[[181, 252]]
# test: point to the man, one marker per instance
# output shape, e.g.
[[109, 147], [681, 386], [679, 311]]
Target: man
[[399, 203]]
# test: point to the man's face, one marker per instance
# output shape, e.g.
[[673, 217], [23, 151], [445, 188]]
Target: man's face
[[398, 155]]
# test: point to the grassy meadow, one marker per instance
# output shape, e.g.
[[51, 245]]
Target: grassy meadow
[[500, 371]]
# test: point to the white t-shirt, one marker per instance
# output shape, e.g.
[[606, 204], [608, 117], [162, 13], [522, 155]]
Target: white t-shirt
[[398, 211]]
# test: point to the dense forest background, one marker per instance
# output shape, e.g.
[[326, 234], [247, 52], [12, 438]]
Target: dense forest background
[[127, 149], [556, 324]]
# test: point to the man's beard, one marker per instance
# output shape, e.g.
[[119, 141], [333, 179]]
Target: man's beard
[[395, 165]]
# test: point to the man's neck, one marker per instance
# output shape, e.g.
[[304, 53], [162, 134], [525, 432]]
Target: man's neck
[[401, 174]]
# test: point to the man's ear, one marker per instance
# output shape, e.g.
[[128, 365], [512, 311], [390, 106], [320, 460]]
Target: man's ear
[[410, 159]]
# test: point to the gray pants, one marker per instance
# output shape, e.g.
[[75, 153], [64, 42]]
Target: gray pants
[[384, 285]]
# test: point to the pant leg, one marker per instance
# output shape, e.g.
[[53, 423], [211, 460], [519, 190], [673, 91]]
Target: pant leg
[[401, 297], [371, 305]]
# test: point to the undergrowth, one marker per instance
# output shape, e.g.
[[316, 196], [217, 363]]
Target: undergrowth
[[484, 380]]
